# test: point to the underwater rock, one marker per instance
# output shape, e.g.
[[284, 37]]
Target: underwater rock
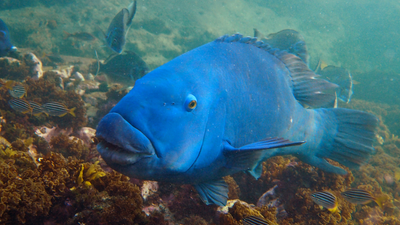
[[69, 146], [267, 197], [36, 66], [14, 69], [79, 76], [86, 134], [239, 210], [49, 133], [89, 86], [64, 73], [148, 188], [231, 203]]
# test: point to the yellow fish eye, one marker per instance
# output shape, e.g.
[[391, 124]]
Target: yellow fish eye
[[190, 103]]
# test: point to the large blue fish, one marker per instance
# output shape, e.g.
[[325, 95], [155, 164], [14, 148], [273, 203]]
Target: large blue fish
[[5, 42], [226, 107]]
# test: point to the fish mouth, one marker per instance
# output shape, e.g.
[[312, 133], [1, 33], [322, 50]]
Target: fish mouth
[[121, 143]]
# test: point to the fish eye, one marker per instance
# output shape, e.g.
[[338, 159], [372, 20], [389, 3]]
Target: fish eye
[[190, 103]]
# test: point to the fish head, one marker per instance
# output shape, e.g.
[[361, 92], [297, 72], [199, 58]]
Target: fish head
[[157, 131]]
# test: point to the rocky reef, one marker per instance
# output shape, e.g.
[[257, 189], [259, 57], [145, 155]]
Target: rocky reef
[[51, 173]]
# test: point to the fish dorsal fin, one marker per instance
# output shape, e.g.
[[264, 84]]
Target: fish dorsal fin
[[308, 88]]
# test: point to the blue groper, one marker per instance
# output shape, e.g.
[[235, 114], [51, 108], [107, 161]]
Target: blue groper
[[226, 107]]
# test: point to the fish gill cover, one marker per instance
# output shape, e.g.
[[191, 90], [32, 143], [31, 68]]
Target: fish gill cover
[[52, 173]]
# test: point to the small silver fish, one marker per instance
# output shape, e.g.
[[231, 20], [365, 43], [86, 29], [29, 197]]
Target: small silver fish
[[17, 91], [254, 220], [20, 105], [57, 109], [36, 108], [325, 199], [119, 26], [359, 196]]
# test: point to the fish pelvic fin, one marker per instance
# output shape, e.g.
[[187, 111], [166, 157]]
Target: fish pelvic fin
[[213, 192], [347, 139]]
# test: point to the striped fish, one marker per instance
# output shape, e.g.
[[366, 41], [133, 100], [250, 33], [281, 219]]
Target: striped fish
[[325, 199], [57, 109], [17, 91], [360, 196], [254, 220], [36, 109], [20, 105]]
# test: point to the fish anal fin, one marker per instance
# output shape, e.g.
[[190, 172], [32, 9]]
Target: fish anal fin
[[213, 192]]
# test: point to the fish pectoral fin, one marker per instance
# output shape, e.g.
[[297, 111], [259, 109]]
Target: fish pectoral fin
[[245, 157], [268, 143], [213, 192]]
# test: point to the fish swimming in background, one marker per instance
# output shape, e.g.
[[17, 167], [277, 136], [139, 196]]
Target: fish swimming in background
[[20, 105], [288, 40], [359, 196], [119, 27], [17, 91], [36, 109], [57, 109], [254, 220], [340, 76], [83, 36], [226, 107], [5, 42], [325, 199], [127, 66]]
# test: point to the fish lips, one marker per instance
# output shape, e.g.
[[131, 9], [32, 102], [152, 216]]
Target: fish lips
[[120, 142]]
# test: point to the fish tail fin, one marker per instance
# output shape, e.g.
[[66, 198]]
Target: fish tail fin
[[379, 200], [71, 111], [9, 84], [66, 35], [320, 66], [333, 210], [347, 139]]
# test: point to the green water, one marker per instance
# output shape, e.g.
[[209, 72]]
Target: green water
[[360, 35]]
